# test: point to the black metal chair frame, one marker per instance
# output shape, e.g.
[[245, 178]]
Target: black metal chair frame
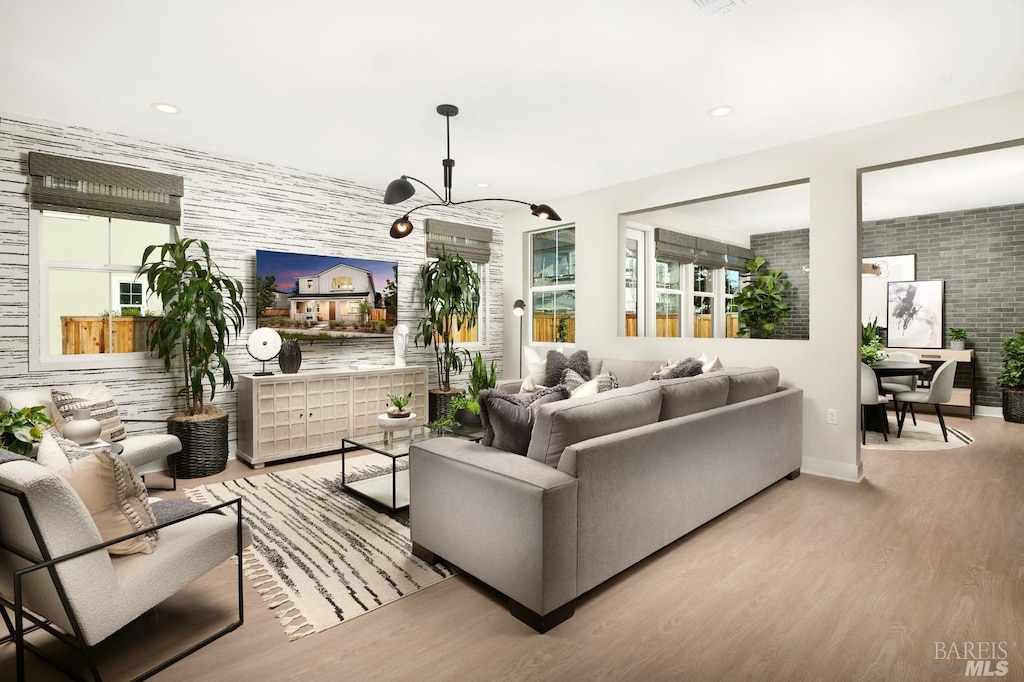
[[17, 630]]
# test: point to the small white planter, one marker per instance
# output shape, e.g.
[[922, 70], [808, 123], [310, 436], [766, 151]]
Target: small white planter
[[958, 344]]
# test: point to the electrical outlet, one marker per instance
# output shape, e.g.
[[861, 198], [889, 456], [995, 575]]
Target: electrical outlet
[[832, 416]]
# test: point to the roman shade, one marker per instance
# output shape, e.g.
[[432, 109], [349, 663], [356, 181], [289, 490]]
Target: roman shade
[[470, 242], [77, 186], [671, 245]]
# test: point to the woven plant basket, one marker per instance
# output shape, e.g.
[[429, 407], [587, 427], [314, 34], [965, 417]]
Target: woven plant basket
[[1013, 405], [204, 446], [437, 403]]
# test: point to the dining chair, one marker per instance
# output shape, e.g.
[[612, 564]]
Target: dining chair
[[870, 398], [939, 391], [900, 384]]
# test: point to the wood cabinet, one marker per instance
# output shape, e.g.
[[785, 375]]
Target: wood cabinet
[[291, 415], [964, 385]]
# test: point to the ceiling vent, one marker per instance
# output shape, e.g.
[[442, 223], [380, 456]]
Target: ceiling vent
[[712, 7]]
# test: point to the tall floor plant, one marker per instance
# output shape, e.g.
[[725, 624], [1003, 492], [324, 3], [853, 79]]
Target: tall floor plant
[[451, 296]]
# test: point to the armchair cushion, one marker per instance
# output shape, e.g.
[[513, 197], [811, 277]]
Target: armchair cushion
[[99, 400]]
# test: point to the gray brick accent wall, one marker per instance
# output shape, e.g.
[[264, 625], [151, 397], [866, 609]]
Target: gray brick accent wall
[[790, 251], [979, 254]]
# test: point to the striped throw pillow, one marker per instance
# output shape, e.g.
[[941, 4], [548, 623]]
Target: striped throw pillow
[[100, 402]]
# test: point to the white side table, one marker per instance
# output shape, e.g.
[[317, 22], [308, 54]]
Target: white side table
[[391, 424]]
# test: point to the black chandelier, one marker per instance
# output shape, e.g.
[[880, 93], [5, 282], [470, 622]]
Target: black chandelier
[[401, 189]]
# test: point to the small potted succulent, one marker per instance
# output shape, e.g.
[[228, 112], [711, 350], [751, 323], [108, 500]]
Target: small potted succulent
[[21, 428], [957, 338], [399, 408]]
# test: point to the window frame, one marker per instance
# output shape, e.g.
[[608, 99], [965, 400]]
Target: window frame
[[40, 358], [483, 270], [548, 288]]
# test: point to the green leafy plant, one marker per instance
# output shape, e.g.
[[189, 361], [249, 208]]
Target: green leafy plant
[[451, 296], [21, 428], [202, 308], [871, 348], [957, 334], [481, 377], [400, 401], [1012, 352], [463, 402], [762, 300]]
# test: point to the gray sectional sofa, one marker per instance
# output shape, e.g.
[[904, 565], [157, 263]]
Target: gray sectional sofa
[[608, 480]]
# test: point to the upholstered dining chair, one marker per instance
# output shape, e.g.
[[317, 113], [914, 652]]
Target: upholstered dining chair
[[871, 400], [940, 391], [901, 384]]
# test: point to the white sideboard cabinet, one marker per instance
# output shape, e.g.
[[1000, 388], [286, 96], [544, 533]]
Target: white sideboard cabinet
[[290, 415]]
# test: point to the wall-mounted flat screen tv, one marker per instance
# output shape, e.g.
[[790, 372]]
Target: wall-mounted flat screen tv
[[307, 296]]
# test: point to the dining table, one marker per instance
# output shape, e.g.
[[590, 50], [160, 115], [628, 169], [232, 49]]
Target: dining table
[[892, 368]]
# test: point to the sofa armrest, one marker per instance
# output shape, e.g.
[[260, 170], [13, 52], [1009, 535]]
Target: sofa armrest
[[509, 385], [505, 519]]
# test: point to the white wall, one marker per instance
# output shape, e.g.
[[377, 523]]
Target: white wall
[[826, 366]]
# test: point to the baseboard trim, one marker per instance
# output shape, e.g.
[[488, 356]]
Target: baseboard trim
[[986, 411], [827, 468]]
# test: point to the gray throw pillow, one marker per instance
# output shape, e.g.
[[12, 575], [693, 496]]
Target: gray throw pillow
[[558, 363], [605, 381], [679, 369], [174, 508], [508, 418]]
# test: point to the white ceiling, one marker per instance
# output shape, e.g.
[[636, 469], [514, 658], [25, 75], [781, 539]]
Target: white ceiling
[[557, 97]]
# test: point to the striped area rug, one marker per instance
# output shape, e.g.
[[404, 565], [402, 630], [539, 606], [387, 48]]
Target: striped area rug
[[319, 556], [925, 435]]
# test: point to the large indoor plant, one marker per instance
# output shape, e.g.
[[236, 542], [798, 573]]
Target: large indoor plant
[[451, 296], [762, 300], [1011, 379], [202, 309]]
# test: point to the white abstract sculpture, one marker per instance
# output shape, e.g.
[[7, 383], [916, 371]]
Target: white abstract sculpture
[[401, 341]]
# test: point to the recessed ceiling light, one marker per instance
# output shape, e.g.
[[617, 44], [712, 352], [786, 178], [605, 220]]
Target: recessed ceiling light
[[483, 184], [719, 112], [165, 108]]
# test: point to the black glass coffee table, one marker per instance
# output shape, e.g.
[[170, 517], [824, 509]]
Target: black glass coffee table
[[391, 491]]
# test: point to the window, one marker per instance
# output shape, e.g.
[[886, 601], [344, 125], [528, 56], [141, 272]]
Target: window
[[474, 334], [668, 298], [635, 265], [88, 299], [342, 283], [553, 285]]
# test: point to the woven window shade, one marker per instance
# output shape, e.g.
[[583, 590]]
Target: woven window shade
[[470, 242], [103, 189], [669, 245]]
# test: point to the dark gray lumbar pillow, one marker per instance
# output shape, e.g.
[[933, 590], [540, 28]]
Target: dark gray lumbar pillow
[[508, 418], [678, 369], [558, 363]]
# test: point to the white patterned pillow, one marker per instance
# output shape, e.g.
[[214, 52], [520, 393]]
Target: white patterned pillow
[[578, 386], [99, 401]]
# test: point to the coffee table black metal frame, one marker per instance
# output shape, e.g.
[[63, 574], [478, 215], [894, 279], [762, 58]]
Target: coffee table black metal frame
[[395, 446]]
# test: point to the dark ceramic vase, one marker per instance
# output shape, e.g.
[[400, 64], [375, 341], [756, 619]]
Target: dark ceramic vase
[[290, 357]]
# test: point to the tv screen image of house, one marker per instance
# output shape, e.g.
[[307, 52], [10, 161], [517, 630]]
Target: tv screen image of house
[[309, 296]]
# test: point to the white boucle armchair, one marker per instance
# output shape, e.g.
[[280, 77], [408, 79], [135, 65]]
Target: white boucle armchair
[[56, 575]]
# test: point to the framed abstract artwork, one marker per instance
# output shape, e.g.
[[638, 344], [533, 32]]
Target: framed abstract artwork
[[915, 314], [874, 284]]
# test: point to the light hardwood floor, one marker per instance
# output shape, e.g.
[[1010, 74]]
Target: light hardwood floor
[[812, 579]]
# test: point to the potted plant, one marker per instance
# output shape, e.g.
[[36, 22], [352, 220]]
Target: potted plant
[[1011, 379], [466, 409], [762, 300], [21, 428], [399, 408], [202, 308], [957, 338], [451, 296], [871, 348]]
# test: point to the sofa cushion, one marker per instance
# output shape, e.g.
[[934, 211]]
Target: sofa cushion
[[630, 372], [689, 395], [578, 386], [566, 422], [557, 363], [677, 369], [746, 383], [508, 418], [116, 498], [100, 402]]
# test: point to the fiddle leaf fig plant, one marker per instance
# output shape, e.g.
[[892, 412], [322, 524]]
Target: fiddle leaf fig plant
[[451, 296], [202, 309], [762, 300]]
